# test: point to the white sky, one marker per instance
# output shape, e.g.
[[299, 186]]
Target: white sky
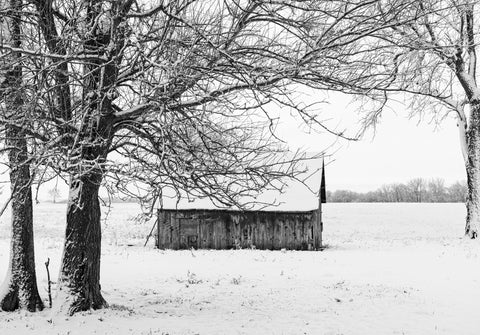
[[401, 149]]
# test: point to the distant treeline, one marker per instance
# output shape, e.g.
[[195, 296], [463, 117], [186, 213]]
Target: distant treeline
[[416, 190]]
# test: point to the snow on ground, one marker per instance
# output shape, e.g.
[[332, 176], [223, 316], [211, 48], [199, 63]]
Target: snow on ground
[[388, 269]]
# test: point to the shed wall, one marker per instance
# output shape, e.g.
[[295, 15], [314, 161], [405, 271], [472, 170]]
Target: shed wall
[[218, 229]]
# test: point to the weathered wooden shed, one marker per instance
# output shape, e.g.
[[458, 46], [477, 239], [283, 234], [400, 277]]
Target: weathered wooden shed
[[229, 229], [226, 229]]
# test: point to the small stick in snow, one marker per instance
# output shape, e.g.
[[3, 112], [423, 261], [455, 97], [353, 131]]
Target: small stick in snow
[[49, 290], [150, 234]]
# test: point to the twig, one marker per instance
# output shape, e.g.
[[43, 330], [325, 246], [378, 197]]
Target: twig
[[4, 207], [49, 290], [151, 231]]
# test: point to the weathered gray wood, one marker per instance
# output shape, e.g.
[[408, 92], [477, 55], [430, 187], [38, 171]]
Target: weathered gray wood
[[175, 231], [318, 227], [216, 229], [162, 233]]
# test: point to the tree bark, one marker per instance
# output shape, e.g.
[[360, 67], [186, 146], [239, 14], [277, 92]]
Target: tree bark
[[472, 227], [462, 131], [79, 281], [19, 289]]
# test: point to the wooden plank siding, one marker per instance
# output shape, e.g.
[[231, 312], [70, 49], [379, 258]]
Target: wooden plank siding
[[224, 229]]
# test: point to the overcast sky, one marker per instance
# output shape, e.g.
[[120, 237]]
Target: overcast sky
[[401, 149]]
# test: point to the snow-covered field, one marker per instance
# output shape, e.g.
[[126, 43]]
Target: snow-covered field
[[388, 269]]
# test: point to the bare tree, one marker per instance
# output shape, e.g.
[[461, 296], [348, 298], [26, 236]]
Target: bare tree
[[386, 192], [183, 91], [19, 289], [437, 66], [417, 188], [54, 192], [458, 191], [427, 56], [436, 190], [400, 192]]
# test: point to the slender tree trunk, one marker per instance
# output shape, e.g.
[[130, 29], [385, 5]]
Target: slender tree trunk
[[19, 289], [472, 227], [79, 281]]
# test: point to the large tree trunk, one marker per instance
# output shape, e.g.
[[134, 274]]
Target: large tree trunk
[[79, 281], [19, 289], [472, 227]]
